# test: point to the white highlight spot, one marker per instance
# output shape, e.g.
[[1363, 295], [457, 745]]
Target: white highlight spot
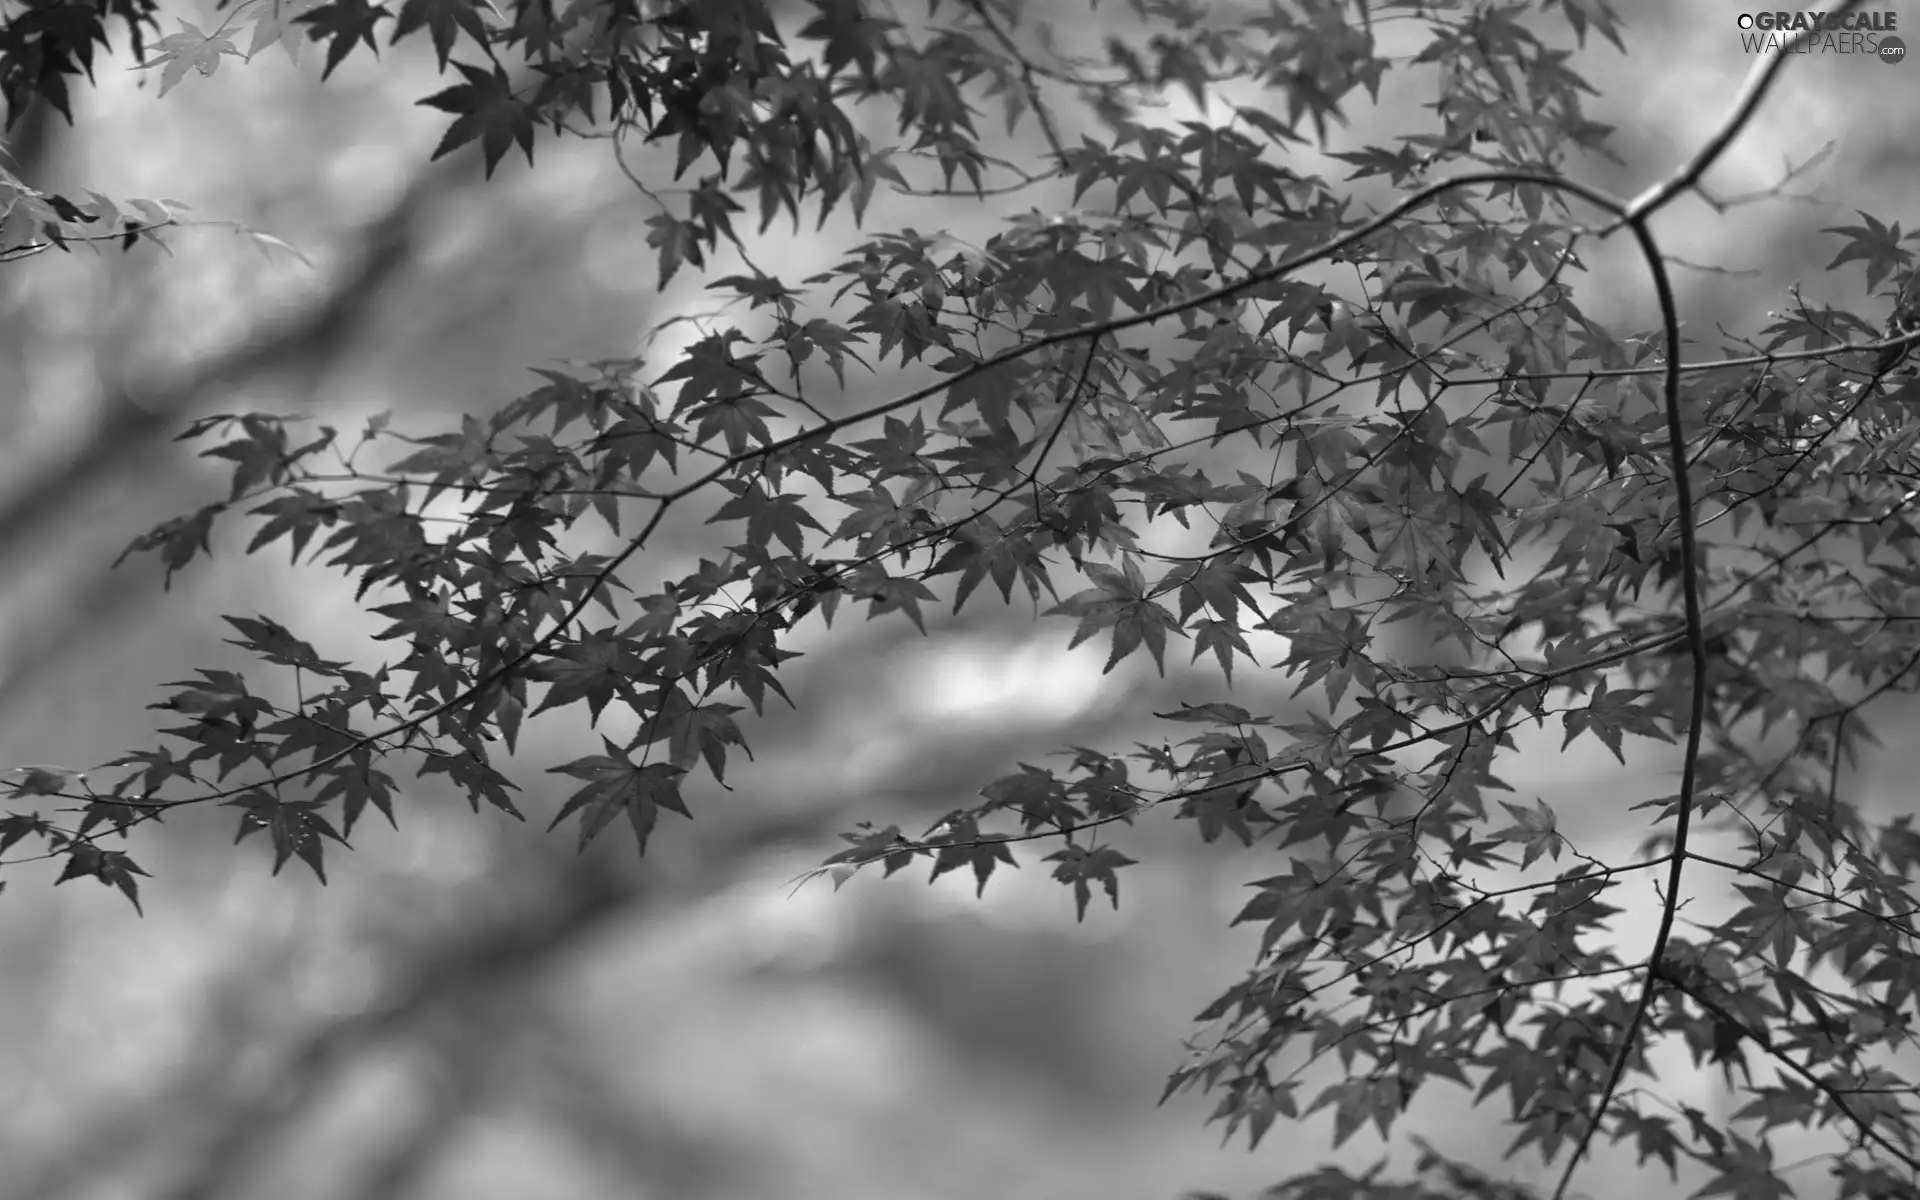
[[1037, 679]]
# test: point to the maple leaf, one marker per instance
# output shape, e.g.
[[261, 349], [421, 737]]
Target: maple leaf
[[704, 732], [852, 36], [486, 108], [276, 644], [178, 540], [1119, 602], [678, 242], [111, 867], [296, 828], [1081, 867], [1535, 829], [1610, 714], [593, 669], [982, 549], [1746, 1170], [296, 516], [616, 785], [190, 48], [769, 517], [1224, 639], [273, 24], [341, 23], [1875, 244], [442, 19]]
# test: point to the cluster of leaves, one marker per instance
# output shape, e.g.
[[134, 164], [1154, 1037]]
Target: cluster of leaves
[[33, 221], [44, 42], [42, 220], [1598, 535]]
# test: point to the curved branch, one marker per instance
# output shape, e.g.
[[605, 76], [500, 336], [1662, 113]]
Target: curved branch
[[827, 429], [1697, 701], [1636, 218], [1758, 83]]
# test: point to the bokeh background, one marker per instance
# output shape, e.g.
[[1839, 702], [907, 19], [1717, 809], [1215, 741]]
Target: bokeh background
[[471, 1009]]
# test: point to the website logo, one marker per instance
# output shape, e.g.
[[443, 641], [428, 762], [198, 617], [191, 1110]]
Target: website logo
[[1866, 34]]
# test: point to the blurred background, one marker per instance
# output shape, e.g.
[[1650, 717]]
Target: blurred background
[[471, 1009]]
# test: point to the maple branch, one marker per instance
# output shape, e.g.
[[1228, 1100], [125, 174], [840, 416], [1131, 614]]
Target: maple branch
[[1697, 700], [826, 429], [1686, 368], [1759, 82], [1839, 716], [1636, 218], [1896, 921], [1484, 897], [1759, 1038], [1028, 84], [1501, 989], [1276, 769]]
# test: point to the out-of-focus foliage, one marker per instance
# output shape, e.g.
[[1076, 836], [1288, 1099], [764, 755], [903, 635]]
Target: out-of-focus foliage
[[1601, 535]]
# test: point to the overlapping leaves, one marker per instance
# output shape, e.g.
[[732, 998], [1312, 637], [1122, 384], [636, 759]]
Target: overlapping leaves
[[1434, 436]]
